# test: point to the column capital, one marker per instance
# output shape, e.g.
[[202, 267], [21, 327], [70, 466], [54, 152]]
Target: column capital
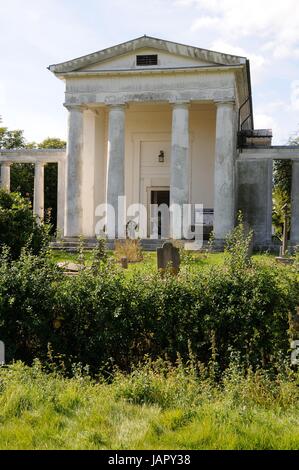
[[75, 107], [94, 111], [6, 164], [225, 103], [180, 104], [122, 106], [40, 163]]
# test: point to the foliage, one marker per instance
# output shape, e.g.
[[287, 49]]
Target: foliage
[[157, 406], [106, 318], [18, 225], [282, 184], [280, 199], [11, 139], [52, 143], [283, 171], [239, 247], [283, 176], [99, 255], [22, 179]]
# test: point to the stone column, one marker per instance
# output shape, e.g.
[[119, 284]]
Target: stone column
[[5, 175], [295, 204], [74, 170], [61, 197], [116, 167], [224, 172], [179, 173], [88, 175], [38, 195]]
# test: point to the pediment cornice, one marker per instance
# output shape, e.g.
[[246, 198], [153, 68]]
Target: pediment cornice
[[206, 55]]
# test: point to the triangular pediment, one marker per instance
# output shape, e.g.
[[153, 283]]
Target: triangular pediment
[[129, 61], [170, 55]]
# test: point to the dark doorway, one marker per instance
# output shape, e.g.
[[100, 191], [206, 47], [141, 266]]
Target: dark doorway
[[160, 197]]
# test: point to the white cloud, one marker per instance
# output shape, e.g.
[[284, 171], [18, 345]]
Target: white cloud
[[264, 121], [276, 23], [2, 96], [205, 22], [295, 95]]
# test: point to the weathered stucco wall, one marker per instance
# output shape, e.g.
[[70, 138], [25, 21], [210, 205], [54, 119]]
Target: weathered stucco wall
[[254, 197], [147, 86]]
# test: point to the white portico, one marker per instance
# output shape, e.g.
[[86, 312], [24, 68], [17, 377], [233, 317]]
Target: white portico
[[155, 123], [129, 103]]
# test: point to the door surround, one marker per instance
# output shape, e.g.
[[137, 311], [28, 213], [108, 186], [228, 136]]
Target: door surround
[[149, 190]]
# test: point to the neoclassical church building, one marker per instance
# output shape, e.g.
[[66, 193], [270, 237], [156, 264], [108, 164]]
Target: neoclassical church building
[[161, 123]]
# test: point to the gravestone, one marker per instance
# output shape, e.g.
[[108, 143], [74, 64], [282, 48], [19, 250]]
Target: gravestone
[[168, 257], [70, 269], [131, 229], [124, 262]]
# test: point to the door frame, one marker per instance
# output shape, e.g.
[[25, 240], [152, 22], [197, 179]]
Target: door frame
[[138, 138], [149, 189]]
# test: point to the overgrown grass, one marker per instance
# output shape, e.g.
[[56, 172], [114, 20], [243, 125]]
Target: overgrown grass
[[149, 260], [155, 407]]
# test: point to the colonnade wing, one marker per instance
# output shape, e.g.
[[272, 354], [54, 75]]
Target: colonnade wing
[[40, 158], [254, 190]]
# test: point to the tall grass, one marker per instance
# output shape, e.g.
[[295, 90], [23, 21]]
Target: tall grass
[[156, 406], [131, 249]]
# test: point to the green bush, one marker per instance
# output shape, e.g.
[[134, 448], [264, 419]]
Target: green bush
[[103, 318], [18, 225], [29, 289]]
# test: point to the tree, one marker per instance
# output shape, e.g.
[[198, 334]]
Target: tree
[[11, 139], [52, 143], [283, 172], [282, 187]]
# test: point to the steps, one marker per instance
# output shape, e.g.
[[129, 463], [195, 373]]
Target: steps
[[72, 245]]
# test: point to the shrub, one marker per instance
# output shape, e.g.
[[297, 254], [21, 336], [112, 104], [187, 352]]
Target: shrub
[[29, 289], [103, 318], [238, 247], [18, 225]]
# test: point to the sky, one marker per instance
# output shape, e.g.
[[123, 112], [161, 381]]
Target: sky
[[37, 33]]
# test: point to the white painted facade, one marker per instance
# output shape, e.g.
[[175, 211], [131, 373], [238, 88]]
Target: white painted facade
[[122, 115]]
